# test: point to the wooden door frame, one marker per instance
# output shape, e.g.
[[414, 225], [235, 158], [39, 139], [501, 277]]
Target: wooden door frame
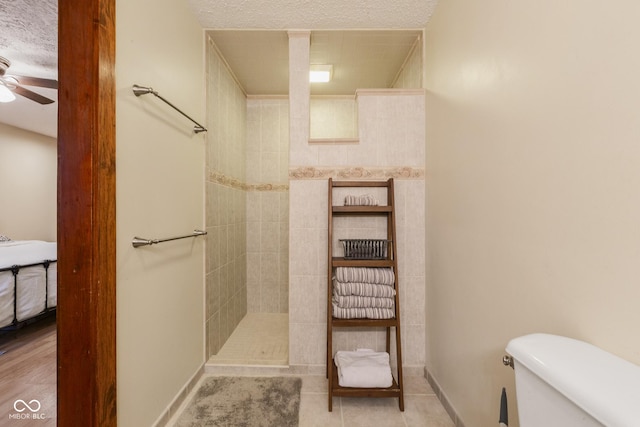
[[86, 214]]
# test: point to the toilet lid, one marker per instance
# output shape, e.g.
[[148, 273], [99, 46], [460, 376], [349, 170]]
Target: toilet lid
[[604, 385]]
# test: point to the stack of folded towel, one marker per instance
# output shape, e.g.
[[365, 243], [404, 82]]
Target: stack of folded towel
[[363, 368], [364, 200], [363, 293]]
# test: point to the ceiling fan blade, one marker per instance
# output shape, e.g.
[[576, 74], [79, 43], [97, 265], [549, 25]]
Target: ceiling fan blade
[[36, 81], [32, 95]]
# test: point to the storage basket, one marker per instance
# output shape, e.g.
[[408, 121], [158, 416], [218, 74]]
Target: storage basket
[[365, 248]]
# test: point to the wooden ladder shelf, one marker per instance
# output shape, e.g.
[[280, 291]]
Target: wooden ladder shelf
[[390, 261]]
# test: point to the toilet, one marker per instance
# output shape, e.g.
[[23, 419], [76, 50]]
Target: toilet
[[565, 382]]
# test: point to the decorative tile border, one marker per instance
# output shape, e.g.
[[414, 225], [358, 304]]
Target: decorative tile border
[[268, 187], [236, 184], [310, 172]]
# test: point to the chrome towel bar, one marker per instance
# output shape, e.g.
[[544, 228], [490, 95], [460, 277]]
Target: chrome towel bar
[[142, 90], [139, 241]]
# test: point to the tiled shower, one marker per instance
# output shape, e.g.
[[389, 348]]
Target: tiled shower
[[247, 204], [261, 169]]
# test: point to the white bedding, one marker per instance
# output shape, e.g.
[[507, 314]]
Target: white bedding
[[31, 280]]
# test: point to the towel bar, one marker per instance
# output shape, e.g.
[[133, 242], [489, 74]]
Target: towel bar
[[142, 90], [139, 241]]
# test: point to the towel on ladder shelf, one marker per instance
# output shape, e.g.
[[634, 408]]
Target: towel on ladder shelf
[[363, 293], [354, 301], [364, 368], [364, 200], [378, 276], [363, 313], [363, 289]]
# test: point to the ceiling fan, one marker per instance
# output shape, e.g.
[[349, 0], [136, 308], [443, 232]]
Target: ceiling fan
[[13, 83]]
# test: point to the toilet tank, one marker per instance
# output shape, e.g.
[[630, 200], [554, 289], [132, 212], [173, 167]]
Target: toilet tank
[[565, 382]]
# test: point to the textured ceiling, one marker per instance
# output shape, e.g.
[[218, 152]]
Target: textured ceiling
[[310, 14], [29, 39], [28, 34]]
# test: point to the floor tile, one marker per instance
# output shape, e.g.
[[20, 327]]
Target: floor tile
[[314, 384], [314, 411], [417, 385], [260, 345], [425, 411], [367, 412]]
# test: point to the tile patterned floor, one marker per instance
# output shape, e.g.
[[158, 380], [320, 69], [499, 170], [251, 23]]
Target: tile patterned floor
[[422, 407], [262, 341]]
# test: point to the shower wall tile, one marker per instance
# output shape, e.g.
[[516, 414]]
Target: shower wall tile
[[308, 200], [412, 299], [413, 345], [270, 237], [333, 154], [305, 245], [254, 203], [283, 204], [299, 90], [269, 166], [307, 343], [284, 166], [267, 227], [213, 333], [270, 207], [391, 140], [334, 117], [226, 217], [304, 295]]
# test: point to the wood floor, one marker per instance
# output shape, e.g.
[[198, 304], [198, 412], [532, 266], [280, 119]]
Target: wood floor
[[28, 375]]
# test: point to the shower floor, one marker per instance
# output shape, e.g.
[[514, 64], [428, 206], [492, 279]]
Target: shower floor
[[260, 339]]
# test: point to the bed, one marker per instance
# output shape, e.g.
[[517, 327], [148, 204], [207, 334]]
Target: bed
[[28, 280]]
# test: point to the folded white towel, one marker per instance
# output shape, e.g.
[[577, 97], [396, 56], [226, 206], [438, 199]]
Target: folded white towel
[[363, 368]]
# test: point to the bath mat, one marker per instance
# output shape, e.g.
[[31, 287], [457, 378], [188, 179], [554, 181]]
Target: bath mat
[[244, 402]]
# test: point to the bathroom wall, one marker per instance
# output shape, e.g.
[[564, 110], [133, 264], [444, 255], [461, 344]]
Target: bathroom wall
[[392, 143], [160, 193], [532, 159], [333, 117], [28, 184], [267, 236], [226, 217]]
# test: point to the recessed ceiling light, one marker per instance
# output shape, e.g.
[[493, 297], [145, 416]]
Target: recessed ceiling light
[[320, 73]]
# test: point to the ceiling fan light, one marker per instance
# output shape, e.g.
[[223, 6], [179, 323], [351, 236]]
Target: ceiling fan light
[[5, 94]]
